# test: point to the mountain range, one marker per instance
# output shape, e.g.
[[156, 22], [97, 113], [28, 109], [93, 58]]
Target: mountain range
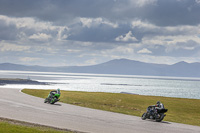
[[119, 66]]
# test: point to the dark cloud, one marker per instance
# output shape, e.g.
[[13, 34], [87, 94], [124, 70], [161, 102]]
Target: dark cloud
[[161, 12], [174, 12], [8, 32], [100, 33], [96, 30], [21, 8]]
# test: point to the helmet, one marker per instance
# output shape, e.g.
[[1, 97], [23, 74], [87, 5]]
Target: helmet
[[158, 102], [58, 91]]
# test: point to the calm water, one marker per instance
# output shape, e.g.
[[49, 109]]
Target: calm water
[[143, 85]]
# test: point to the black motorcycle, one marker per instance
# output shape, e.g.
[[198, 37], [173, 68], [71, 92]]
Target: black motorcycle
[[154, 113]]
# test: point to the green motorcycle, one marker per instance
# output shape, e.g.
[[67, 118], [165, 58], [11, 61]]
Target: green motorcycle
[[52, 98]]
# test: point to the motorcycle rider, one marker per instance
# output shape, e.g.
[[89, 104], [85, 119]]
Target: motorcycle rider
[[159, 105], [54, 92], [152, 109], [155, 112]]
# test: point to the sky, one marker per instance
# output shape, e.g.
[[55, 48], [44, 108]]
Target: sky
[[89, 32]]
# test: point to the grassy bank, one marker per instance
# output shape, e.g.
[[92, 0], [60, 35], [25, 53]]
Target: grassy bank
[[179, 110], [15, 127]]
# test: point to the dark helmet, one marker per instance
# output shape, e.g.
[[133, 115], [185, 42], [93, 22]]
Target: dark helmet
[[158, 102]]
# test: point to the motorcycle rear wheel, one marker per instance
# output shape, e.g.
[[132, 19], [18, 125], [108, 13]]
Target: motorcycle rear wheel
[[53, 100], [160, 118]]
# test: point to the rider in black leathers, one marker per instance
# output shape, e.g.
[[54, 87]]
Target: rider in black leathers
[[159, 105], [152, 109]]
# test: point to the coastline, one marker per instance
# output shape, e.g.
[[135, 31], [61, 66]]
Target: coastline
[[5, 81]]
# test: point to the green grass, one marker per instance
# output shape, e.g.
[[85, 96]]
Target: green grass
[[180, 110], [6, 127]]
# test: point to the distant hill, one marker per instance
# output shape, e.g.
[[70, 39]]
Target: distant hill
[[119, 66]]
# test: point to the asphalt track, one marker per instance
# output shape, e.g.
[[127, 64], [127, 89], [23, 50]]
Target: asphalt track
[[23, 107]]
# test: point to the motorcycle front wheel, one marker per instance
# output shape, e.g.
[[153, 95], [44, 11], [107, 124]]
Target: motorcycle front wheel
[[45, 100], [143, 116]]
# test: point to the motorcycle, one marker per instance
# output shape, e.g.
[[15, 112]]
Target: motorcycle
[[154, 113], [52, 98]]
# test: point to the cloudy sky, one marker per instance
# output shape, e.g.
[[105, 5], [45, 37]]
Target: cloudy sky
[[87, 32]]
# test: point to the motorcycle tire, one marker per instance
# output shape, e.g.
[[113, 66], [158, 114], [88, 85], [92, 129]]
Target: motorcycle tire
[[143, 116], [53, 100], [160, 118], [45, 101]]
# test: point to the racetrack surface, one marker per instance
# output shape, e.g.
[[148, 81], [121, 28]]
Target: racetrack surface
[[19, 106]]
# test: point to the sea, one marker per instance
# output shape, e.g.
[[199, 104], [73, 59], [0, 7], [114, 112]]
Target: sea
[[178, 87]]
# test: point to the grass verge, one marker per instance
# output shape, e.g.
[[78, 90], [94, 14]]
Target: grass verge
[[180, 110], [14, 126]]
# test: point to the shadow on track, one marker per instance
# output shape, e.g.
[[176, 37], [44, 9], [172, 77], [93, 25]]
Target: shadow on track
[[55, 104], [163, 122]]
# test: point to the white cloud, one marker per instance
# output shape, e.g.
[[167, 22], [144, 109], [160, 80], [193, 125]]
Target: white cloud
[[86, 44], [119, 52], [40, 37], [27, 22], [94, 22], [142, 3], [90, 62], [127, 37], [144, 51], [171, 37], [5, 46], [29, 59], [172, 43], [73, 50], [42, 31], [197, 1], [182, 29], [63, 33], [167, 40], [141, 24]]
